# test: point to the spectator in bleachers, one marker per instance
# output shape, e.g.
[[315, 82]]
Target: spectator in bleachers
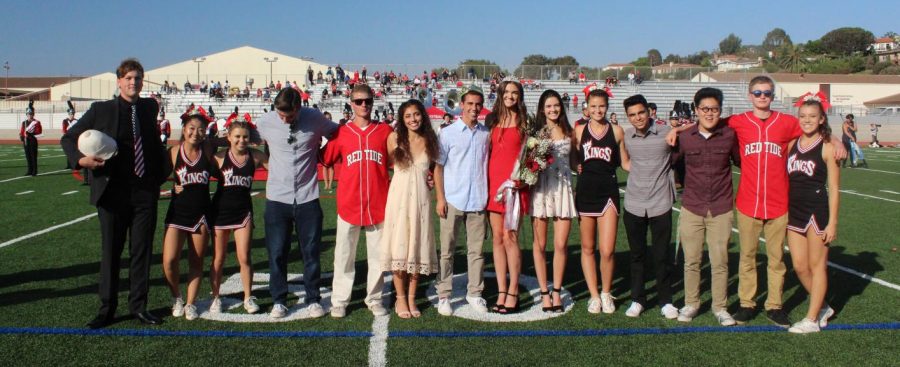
[[613, 119], [566, 99], [631, 78], [572, 78], [575, 102], [278, 86], [309, 75], [471, 73], [259, 93], [364, 73], [581, 77], [188, 87]]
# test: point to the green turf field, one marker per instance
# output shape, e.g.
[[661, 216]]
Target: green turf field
[[48, 292]]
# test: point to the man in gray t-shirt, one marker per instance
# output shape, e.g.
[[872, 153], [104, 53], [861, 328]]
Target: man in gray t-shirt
[[293, 135]]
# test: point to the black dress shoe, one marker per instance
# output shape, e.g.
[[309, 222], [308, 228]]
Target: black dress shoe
[[147, 318], [99, 322]]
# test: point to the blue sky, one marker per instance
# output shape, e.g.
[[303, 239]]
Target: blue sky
[[90, 37]]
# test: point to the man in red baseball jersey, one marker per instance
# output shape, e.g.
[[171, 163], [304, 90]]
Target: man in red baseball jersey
[[362, 147], [762, 197]]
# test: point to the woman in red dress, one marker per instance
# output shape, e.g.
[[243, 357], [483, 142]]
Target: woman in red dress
[[507, 124]]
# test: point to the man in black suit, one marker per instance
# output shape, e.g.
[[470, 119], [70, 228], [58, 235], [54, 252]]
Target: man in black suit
[[124, 188]]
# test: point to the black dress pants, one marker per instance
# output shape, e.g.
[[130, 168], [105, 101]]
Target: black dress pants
[[662, 254]]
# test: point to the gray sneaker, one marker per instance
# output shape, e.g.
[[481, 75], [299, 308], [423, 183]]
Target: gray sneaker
[[824, 314], [278, 311], [444, 307], [177, 307], [338, 312], [190, 312], [250, 305], [725, 318], [378, 309], [315, 310], [215, 306], [687, 313], [477, 303]]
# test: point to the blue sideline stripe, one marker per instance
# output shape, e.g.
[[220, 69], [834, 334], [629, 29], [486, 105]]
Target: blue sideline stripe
[[623, 332], [188, 333], [424, 334]]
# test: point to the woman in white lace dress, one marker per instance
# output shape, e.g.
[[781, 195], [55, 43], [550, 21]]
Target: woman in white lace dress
[[407, 241], [552, 197]]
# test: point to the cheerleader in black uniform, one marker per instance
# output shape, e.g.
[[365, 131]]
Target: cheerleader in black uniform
[[233, 210], [187, 214], [600, 148], [813, 206]]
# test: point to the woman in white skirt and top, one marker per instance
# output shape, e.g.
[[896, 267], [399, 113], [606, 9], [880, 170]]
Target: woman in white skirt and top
[[407, 240], [552, 198], [232, 210], [188, 212], [812, 211]]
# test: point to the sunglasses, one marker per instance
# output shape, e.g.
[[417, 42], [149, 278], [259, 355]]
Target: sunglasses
[[760, 93], [709, 109], [364, 101]]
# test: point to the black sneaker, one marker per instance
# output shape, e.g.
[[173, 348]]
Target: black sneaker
[[779, 317], [744, 315]]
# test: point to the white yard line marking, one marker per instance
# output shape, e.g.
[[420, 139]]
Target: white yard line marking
[[255, 193], [881, 160], [38, 233], [25, 192], [851, 192], [876, 170], [833, 265], [378, 342], [39, 157], [39, 174], [69, 192], [890, 192]]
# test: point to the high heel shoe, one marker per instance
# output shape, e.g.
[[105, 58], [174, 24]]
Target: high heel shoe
[[547, 308], [510, 310], [557, 308], [499, 307]]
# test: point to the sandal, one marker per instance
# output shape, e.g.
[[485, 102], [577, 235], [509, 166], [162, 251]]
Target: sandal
[[413, 310], [510, 310], [402, 314], [499, 307], [547, 308], [557, 308]]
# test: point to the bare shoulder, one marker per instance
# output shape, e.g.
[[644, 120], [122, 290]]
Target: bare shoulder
[[618, 132], [827, 150]]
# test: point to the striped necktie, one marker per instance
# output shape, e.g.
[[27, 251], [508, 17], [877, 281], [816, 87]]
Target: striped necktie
[[138, 147]]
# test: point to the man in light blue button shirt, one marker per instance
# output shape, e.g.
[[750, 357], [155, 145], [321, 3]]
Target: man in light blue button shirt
[[460, 179], [293, 135]]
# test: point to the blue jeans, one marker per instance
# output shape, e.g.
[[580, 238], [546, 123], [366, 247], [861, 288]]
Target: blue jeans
[[281, 220]]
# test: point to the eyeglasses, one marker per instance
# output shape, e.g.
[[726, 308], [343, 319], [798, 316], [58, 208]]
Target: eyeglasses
[[760, 93], [705, 109], [364, 101]]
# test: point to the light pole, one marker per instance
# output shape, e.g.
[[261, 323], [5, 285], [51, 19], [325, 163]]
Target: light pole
[[198, 60], [270, 60], [6, 66]]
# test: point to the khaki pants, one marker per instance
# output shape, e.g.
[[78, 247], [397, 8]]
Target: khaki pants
[[475, 227], [774, 231], [716, 231], [346, 239]]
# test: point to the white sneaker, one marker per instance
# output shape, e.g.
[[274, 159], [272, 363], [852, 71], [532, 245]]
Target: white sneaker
[[634, 310], [216, 305], [278, 311], [190, 312], [477, 303], [177, 307], [250, 305], [687, 313], [444, 307], [594, 306], [606, 303], [315, 310], [725, 318], [338, 312], [804, 326], [669, 311], [824, 314], [378, 309]]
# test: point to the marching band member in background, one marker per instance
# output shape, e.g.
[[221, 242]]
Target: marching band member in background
[[28, 134]]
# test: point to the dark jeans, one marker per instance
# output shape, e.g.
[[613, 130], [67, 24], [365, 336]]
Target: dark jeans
[[281, 221], [130, 211], [662, 254]]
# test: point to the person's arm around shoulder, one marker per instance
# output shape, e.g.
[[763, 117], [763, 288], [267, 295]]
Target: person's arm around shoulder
[[260, 159], [834, 179], [623, 152], [735, 148], [672, 135]]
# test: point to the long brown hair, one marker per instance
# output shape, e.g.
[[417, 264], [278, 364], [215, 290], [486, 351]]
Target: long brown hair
[[402, 156], [500, 111], [824, 129]]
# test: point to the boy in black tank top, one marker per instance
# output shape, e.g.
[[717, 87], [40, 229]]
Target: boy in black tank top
[[597, 197]]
